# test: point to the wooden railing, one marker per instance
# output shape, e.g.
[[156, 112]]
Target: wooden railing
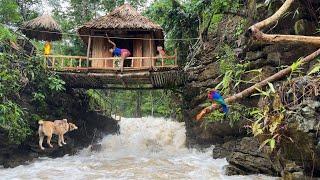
[[63, 63]]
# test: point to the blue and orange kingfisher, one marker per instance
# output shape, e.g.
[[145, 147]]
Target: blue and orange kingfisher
[[216, 97]]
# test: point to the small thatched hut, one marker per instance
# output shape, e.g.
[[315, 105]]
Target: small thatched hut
[[136, 32], [42, 28]]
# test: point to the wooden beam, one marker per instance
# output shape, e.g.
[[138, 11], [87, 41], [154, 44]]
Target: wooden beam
[[88, 50], [150, 44]]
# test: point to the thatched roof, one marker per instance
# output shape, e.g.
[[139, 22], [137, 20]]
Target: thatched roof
[[124, 18], [42, 28]]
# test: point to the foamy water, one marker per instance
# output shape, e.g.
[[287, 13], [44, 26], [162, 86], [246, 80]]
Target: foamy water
[[147, 148]]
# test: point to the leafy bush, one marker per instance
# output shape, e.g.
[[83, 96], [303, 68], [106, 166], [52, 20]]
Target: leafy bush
[[270, 126], [13, 122], [236, 113], [56, 84], [230, 69], [17, 73]]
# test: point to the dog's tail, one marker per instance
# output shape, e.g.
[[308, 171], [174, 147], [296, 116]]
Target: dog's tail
[[40, 122]]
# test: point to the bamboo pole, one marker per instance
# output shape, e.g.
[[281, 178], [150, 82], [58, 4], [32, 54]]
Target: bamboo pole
[[62, 62], [151, 60], [88, 50]]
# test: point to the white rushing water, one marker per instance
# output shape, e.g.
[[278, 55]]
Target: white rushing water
[[147, 148]]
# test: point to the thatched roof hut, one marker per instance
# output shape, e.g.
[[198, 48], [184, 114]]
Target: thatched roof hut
[[42, 28], [123, 18], [129, 30]]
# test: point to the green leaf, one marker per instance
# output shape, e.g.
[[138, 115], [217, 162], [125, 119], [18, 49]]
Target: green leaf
[[263, 92], [272, 144], [264, 143], [256, 128], [315, 69], [273, 127], [296, 65], [271, 87]]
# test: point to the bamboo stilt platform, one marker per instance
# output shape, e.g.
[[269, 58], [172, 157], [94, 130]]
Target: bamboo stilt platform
[[78, 72], [126, 80]]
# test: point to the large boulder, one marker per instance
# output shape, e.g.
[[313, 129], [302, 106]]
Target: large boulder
[[248, 159]]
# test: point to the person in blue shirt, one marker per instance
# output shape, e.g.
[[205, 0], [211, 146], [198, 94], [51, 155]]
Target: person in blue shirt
[[118, 52]]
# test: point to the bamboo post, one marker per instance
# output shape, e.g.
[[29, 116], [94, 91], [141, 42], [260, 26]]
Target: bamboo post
[[151, 62], [88, 51], [80, 62], [53, 62], [140, 61], [62, 63], [162, 62]]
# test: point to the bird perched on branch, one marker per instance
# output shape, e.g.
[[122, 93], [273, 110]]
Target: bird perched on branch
[[217, 98]]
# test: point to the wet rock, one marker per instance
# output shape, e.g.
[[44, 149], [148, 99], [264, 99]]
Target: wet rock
[[250, 160], [305, 118], [274, 58], [293, 172], [218, 132], [224, 150], [211, 71], [96, 147], [254, 55]]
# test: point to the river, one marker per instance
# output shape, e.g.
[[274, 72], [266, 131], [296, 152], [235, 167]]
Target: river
[[146, 148]]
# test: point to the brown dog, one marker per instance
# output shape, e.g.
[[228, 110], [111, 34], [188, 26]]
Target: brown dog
[[58, 127]]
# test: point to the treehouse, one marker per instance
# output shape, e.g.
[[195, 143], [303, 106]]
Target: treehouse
[[128, 29]]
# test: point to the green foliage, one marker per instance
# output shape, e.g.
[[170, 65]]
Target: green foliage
[[270, 92], [98, 101], [55, 83], [38, 98], [240, 28], [269, 125], [9, 12], [230, 69], [134, 103], [13, 122], [16, 73], [237, 112], [9, 78], [5, 34], [296, 65], [315, 69]]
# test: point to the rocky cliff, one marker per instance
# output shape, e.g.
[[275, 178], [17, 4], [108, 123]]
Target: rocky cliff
[[250, 62]]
